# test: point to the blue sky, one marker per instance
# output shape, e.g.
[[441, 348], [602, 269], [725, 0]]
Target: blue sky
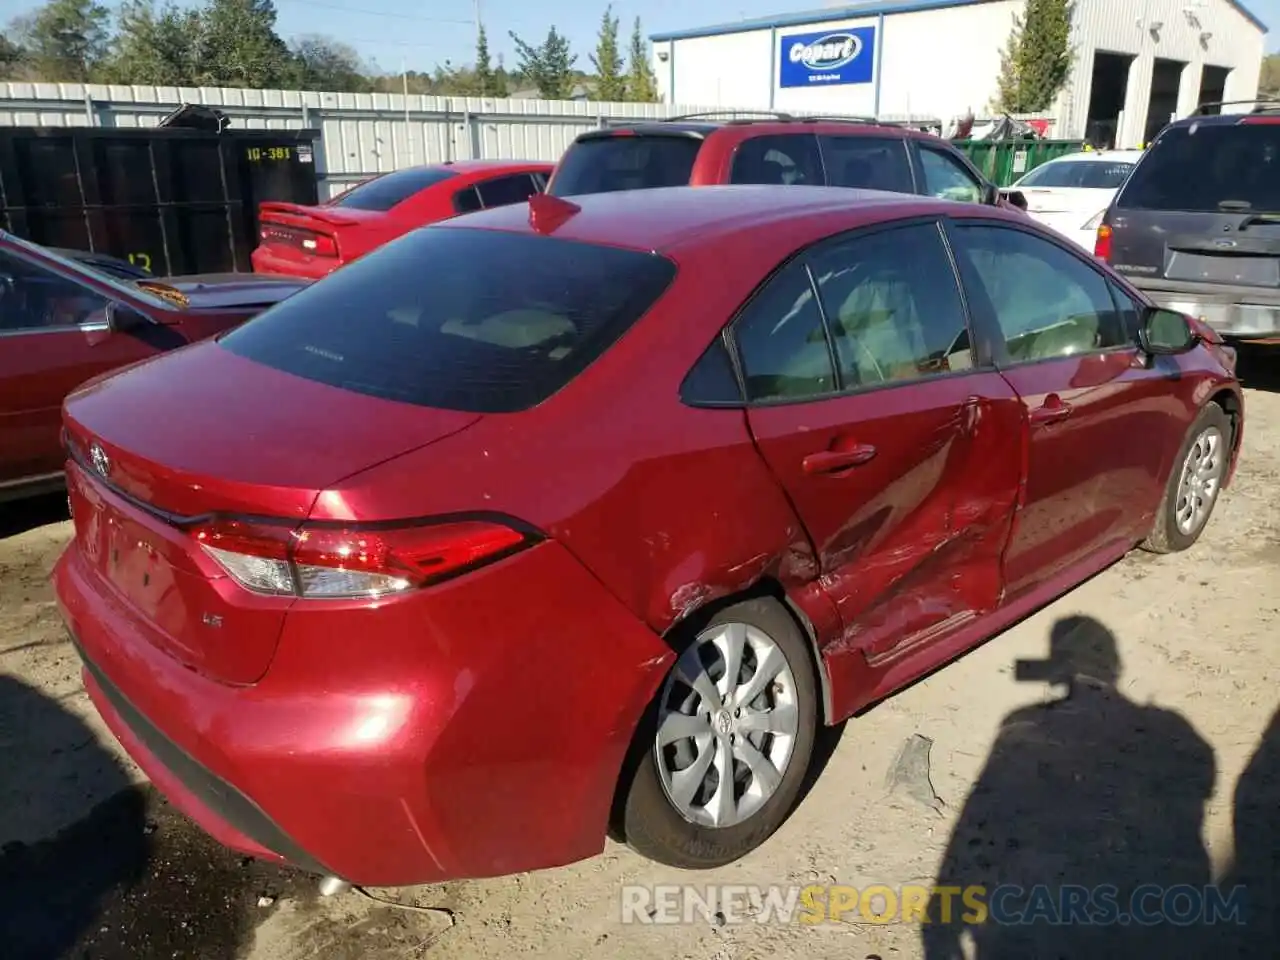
[[423, 34]]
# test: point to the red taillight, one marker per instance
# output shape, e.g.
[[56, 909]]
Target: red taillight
[[334, 562], [1102, 243], [319, 244]]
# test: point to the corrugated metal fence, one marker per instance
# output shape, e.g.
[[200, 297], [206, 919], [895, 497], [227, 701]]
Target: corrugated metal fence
[[363, 133]]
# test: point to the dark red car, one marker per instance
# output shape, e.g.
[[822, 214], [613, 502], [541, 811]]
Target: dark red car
[[64, 321], [306, 241], [724, 147], [562, 510]]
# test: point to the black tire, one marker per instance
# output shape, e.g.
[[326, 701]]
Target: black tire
[[653, 826], [1165, 536]]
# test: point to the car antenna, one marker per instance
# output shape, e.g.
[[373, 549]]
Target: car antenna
[[547, 213]]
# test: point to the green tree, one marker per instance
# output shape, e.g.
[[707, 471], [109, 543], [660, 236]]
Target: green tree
[[611, 84], [11, 58], [548, 66], [488, 81], [1269, 82], [154, 45], [65, 40], [238, 46], [322, 63], [1036, 62], [642, 85]]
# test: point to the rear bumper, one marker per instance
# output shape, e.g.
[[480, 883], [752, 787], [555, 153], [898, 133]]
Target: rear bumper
[[1243, 313], [477, 730], [265, 261]]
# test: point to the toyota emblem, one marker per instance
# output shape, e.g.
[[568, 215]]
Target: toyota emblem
[[101, 462]]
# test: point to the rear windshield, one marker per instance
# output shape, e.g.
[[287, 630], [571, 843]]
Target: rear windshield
[[383, 193], [476, 320], [1208, 167], [1079, 174], [607, 164]]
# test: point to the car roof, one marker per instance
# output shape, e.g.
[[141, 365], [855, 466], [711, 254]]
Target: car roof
[[491, 166], [1098, 156], [1263, 107], [745, 127], [667, 219]]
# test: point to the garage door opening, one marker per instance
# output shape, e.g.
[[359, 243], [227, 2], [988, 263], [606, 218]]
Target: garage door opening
[[1166, 82], [1106, 97], [1213, 86]]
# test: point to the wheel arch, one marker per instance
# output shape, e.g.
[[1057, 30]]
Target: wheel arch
[[765, 587], [1231, 404]]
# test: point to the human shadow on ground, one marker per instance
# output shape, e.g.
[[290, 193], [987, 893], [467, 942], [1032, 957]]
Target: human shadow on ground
[[1256, 832], [1083, 801], [19, 516], [92, 865], [71, 829]]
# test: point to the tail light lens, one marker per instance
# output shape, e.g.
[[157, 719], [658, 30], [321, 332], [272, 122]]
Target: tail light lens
[[1094, 222], [320, 244], [1102, 243], [326, 562]]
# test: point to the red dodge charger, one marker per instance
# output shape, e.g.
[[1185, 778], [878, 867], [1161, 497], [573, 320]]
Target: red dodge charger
[[572, 511], [302, 241]]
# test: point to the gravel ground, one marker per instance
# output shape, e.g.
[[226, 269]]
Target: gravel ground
[[969, 777]]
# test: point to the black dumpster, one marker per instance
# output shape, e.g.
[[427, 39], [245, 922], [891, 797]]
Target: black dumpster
[[170, 199]]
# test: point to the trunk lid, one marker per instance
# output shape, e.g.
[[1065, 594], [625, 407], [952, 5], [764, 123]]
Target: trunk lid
[[266, 448], [1233, 249]]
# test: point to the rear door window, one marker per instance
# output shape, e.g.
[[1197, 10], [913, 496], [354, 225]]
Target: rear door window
[[893, 305], [1078, 175], [791, 159], [625, 162], [873, 163], [468, 200], [502, 191], [476, 320], [782, 342], [384, 192], [1208, 168]]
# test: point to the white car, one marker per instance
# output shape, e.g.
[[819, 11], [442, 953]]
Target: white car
[[1071, 193]]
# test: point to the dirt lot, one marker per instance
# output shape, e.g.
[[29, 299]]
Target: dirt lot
[[1109, 787]]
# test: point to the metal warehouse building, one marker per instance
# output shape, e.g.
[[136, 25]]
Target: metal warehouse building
[[1137, 62]]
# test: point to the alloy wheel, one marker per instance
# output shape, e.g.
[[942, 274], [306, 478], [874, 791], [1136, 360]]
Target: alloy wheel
[[1201, 478], [727, 724]]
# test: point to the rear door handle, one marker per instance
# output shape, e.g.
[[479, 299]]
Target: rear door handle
[[834, 461], [1053, 410]]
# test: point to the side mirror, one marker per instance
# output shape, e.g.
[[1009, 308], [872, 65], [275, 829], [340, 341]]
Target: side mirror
[[990, 194], [1164, 332], [122, 317], [1016, 198]]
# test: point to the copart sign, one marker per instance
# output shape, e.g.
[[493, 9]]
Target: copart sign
[[832, 57]]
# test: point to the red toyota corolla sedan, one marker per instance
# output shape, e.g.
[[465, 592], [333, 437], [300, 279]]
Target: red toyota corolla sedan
[[302, 241], [565, 512]]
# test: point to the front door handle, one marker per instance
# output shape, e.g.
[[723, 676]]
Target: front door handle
[[1053, 410], [838, 459]]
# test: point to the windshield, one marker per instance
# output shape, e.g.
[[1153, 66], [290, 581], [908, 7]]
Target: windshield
[[475, 320], [384, 192], [1079, 174], [126, 288], [608, 164], [1201, 167]]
